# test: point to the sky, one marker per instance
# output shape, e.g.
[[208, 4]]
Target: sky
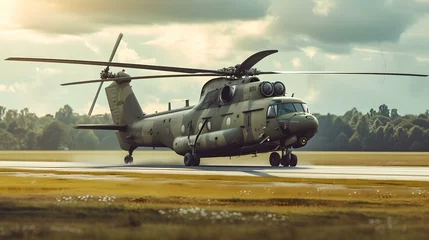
[[328, 35]]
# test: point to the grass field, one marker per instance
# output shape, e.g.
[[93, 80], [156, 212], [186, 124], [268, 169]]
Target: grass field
[[169, 157], [148, 206], [44, 204]]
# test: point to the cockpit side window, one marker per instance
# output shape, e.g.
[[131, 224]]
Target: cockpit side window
[[272, 111], [305, 108]]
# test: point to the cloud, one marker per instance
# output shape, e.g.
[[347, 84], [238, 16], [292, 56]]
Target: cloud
[[323, 7], [361, 21], [98, 109], [7, 88], [126, 54], [332, 57], [296, 62], [277, 65], [92, 47], [49, 71], [310, 51], [82, 16], [421, 59], [12, 88]]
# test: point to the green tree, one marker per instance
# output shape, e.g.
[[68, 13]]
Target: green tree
[[416, 147], [355, 143], [362, 129], [10, 116], [65, 115], [341, 142], [400, 137], [394, 113], [32, 141], [86, 140], [384, 110], [415, 134], [8, 141], [2, 112], [55, 136]]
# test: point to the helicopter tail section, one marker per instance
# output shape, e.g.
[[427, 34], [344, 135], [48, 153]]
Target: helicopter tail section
[[125, 110], [124, 107]]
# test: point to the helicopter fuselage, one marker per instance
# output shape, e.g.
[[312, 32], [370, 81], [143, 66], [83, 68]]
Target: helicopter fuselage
[[232, 118]]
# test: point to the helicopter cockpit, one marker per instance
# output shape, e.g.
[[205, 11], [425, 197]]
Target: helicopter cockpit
[[294, 119], [279, 108]]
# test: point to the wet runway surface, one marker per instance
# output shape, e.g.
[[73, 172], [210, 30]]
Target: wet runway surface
[[304, 171]]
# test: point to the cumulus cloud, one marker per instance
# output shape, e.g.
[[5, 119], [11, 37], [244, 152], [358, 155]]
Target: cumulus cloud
[[127, 54], [296, 62], [82, 16]]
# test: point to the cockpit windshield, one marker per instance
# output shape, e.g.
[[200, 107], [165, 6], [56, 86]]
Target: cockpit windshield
[[279, 109]]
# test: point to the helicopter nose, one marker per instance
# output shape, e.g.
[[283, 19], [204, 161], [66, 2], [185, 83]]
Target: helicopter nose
[[304, 125]]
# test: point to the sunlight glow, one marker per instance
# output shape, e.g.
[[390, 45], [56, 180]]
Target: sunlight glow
[[6, 11]]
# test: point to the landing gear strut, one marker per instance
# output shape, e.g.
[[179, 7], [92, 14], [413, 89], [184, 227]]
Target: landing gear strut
[[287, 159], [128, 159], [192, 158]]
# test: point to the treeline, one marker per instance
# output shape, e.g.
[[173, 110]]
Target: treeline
[[376, 130], [24, 130]]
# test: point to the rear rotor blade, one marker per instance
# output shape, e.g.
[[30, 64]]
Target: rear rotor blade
[[107, 70], [116, 64], [95, 98], [346, 73], [116, 47], [139, 77]]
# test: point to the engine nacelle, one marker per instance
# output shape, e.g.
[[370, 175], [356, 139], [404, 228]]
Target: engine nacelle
[[227, 93], [267, 89], [279, 89]]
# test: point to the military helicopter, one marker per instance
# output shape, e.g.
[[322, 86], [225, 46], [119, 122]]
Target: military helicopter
[[237, 113]]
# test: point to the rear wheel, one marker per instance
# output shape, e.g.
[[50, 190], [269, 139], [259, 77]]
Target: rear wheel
[[275, 159], [285, 161], [197, 160], [188, 159], [293, 160]]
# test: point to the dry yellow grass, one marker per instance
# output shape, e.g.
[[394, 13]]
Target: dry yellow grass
[[148, 206]]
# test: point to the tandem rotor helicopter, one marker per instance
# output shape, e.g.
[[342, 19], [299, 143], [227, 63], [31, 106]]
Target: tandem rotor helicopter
[[237, 113]]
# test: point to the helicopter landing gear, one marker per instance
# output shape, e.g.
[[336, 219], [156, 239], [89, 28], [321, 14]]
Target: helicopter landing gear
[[288, 158], [129, 158], [274, 159], [191, 160]]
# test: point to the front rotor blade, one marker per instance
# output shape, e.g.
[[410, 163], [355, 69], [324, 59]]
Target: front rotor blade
[[252, 60], [346, 73], [116, 46], [138, 77], [116, 64], [95, 98]]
